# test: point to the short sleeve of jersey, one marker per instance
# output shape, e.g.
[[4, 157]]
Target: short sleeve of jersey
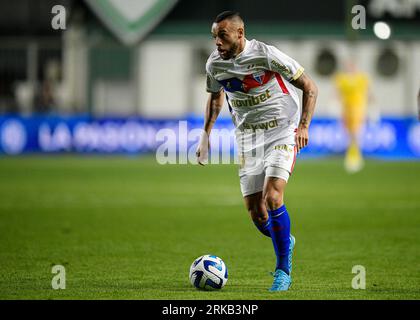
[[212, 85], [283, 64]]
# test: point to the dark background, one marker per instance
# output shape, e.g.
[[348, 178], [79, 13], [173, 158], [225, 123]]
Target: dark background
[[29, 17]]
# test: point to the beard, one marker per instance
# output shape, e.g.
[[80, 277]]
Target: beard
[[231, 53]]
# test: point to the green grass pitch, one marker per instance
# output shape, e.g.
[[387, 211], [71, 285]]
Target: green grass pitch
[[128, 228]]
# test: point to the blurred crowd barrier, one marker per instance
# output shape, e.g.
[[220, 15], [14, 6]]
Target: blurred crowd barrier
[[163, 77], [388, 138]]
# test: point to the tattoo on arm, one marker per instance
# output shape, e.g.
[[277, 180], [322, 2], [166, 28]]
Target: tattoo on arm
[[310, 93], [214, 106]]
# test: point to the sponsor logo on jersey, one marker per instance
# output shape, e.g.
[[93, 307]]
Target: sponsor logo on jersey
[[283, 147], [254, 65], [281, 68], [252, 100], [261, 126]]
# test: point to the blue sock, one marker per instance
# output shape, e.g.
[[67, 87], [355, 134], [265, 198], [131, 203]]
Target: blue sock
[[264, 228], [280, 234]]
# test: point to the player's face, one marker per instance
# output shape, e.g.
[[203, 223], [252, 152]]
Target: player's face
[[226, 35]]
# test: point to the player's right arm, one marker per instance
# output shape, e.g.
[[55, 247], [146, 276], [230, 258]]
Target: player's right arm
[[213, 108]]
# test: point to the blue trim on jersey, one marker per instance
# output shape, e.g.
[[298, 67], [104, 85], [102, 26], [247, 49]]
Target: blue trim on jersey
[[232, 84]]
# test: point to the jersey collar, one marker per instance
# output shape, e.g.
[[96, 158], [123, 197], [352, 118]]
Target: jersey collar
[[245, 48]]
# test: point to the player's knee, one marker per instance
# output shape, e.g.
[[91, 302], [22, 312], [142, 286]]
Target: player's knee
[[259, 217], [273, 199], [258, 214], [257, 211]]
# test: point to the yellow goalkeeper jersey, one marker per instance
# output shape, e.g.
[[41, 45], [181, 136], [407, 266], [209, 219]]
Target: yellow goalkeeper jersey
[[353, 89]]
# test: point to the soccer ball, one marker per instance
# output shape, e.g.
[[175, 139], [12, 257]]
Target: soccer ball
[[208, 272]]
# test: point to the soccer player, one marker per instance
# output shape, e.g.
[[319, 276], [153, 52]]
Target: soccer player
[[353, 88], [260, 83]]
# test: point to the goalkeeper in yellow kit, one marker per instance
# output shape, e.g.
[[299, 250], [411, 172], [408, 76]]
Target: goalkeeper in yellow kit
[[353, 89]]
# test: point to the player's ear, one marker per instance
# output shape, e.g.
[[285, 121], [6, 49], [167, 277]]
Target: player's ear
[[240, 32]]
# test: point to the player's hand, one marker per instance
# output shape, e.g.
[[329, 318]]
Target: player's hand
[[302, 137], [203, 148], [202, 155]]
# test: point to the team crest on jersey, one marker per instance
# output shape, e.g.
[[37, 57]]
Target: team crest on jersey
[[259, 77], [249, 82]]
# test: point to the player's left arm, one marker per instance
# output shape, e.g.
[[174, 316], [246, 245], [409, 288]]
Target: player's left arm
[[310, 93]]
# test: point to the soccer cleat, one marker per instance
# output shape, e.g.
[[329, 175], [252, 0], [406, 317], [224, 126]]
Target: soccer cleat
[[353, 161], [291, 247], [282, 280]]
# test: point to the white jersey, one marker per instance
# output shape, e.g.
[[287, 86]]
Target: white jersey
[[258, 89]]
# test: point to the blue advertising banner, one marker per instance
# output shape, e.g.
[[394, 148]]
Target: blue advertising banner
[[390, 138]]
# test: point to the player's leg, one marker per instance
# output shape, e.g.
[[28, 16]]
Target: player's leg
[[252, 184], [353, 121], [255, 206], [279, 164], [279, 217], [283, 241]]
